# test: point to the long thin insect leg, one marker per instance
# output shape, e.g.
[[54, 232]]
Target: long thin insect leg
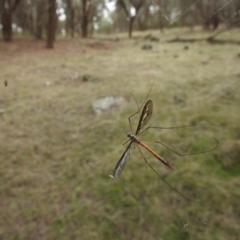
[[147, 95], [144, 117], [190, 153], [129, 120], [178, 127], [217, 143], [163, 179], [207, 124], [181, 155], [139, 109]]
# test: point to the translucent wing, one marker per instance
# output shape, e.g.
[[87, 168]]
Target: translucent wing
[[145, 116], [122, 162]]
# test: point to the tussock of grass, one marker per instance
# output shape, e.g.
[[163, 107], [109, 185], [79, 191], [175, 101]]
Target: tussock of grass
[[56, 155]]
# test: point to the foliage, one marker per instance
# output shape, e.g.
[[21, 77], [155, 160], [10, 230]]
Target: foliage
[[31, 16]]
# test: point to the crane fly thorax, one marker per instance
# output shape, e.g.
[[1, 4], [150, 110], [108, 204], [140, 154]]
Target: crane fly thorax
[[133, 137]]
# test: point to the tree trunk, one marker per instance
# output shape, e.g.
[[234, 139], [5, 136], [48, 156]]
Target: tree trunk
[[31, 23], [214, 18], [141, 23], [215, 21], [51, 28], [204, 15], [6, 8], [70, 21], [130, 26], [39, 24], [84, 24], [160, 22]]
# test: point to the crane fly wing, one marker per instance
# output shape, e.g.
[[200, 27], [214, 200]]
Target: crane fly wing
[[122, 162], [145, 116]]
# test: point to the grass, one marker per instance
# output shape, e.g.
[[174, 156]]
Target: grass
[[56, 154]]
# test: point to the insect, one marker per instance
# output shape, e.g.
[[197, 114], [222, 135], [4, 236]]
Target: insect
[[134, 139], [5, 83], [144, 118]]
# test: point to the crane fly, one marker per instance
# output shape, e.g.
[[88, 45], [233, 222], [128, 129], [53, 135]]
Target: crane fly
[[133, 138]]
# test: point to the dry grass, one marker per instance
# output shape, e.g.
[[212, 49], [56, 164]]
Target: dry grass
[[49, 135]]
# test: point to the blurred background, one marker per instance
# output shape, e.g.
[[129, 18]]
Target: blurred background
[[73, 72]]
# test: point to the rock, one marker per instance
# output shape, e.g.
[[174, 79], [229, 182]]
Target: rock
[[74, 76], [104, 104], [2, 111], [48, 83], [87, 78], [147, 47]]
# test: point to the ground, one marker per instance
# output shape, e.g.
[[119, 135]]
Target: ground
[[56, 154]]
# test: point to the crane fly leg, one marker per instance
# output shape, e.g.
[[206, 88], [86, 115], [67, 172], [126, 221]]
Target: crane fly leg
[[174, 189]]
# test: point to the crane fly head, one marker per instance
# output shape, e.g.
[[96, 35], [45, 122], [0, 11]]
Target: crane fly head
[[133, 138]]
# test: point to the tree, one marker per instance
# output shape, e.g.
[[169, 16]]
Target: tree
[[129, 7], [70, 17], [6, 10], [86, 11], [52, 19], [6, 19], [40, 8]]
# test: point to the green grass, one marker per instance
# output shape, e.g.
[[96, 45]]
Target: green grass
[[56, 155]]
